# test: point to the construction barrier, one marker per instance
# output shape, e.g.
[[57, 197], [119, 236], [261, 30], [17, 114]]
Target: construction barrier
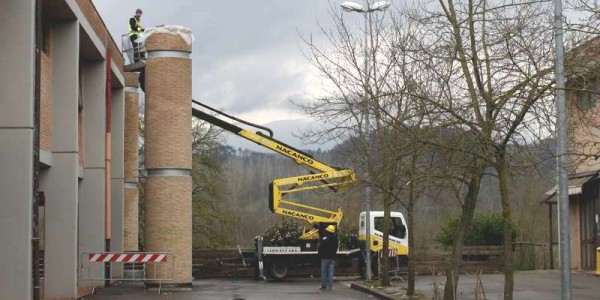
[[393, 263], [128, 266]]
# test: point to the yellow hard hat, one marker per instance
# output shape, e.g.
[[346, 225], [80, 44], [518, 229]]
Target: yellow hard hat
[[330, 228]]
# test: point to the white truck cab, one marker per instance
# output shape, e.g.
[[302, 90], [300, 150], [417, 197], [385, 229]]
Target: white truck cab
[[398, 232]]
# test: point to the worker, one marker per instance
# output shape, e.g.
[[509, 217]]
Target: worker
[[328, 246], [135, 30]]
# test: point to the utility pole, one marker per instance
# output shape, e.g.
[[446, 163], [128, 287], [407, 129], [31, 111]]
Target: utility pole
[[563, 159], [367, 10], [367, 128]]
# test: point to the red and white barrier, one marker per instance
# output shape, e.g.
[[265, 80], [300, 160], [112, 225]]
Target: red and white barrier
[[128, 257], [391, 253]]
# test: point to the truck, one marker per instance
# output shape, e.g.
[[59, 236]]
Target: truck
[[274, 262]]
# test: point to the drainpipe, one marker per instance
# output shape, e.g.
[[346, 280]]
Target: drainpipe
[[107, 160], [35, 240]]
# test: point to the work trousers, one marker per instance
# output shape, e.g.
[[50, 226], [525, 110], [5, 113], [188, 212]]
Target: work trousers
[[327, 266], [136, 51]]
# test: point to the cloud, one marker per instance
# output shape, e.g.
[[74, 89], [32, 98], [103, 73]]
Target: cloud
[[246, 53]]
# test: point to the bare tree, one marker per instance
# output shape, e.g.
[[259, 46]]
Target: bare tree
[[491, 63]]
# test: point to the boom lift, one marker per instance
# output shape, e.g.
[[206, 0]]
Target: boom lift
[[277, 259], [321, 175]]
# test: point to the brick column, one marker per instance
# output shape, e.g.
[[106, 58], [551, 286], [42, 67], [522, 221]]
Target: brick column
[[168, 152], [132, 118]]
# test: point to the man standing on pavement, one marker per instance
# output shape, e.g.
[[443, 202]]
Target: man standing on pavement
[[135, 30], [328, 246]]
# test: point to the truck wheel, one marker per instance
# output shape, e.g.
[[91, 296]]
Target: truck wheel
[[278, 270]]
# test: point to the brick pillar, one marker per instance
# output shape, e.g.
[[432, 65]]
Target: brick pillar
[[132, 118], [168, 152]]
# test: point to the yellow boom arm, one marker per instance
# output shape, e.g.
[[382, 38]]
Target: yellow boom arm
[[323, 176]]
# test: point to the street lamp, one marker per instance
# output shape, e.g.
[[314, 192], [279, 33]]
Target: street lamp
[[355, 7], [561, 152], [350, 6]]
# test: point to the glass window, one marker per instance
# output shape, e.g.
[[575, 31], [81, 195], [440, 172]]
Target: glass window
[[586, 100], [398, 229]]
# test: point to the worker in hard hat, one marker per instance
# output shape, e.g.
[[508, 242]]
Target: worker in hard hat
[[328, 246], [135, 30]]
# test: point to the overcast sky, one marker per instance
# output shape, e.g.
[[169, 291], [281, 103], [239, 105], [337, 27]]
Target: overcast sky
[[246, 54]]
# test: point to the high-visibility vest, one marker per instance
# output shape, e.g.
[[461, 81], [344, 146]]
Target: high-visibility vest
[[137, 29]]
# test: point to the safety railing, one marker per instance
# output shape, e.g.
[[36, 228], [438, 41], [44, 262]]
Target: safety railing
[[152, 267], [132, 52]]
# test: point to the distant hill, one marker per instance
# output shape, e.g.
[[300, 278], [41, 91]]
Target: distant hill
[[283, 130]]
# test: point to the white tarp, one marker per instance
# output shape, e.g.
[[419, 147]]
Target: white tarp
[[185, 33]]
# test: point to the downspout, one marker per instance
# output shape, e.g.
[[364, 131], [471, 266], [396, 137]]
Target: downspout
[[107, 160], [35, 240]]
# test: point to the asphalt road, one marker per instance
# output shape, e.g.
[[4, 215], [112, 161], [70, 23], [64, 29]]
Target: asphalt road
[[247, 289], [534, 285]]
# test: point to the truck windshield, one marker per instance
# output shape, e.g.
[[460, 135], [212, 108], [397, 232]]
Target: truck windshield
[[398, 229]]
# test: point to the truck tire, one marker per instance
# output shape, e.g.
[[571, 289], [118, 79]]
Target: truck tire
[[278, 270]]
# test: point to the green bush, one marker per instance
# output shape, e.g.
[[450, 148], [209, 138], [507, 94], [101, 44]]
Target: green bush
[[284, 234], [486, 230], [348, 240]]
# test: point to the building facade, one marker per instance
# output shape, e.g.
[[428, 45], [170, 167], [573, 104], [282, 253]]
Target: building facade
[[582, 66], [81, 146]]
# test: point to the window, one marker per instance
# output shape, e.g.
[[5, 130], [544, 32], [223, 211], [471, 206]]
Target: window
[[586, 99], [398, 229]]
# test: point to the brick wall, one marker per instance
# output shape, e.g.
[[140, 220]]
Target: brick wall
[[46, 102], [585, 133], [167, 113], [131, 220], [131, 133]]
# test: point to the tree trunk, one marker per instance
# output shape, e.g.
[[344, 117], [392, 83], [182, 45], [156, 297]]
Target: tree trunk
[[502, 169], [411, 240], [384, 273], [468, 210]]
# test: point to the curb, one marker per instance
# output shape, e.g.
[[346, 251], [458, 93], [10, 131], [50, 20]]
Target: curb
[[367, 290]]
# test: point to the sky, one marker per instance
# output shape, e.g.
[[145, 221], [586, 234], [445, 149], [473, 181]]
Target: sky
[[247, 55]]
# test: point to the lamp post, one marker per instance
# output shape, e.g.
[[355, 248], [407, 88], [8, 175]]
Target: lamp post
[[350, 6], [563, 159]]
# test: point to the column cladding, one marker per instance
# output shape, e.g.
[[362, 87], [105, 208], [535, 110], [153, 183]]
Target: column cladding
[[132, 119], [168, 152]]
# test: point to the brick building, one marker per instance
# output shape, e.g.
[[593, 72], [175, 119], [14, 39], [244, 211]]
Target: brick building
[[583, 83], [81, 166]]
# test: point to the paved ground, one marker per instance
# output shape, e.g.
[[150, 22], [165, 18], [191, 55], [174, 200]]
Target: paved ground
[[528, 285], [248, 289]]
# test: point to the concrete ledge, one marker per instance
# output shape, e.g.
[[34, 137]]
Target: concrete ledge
[[130, 185], [168, 54], [46, 157], [168, 172], [369, 291]]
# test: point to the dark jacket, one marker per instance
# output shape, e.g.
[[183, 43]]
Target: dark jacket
[[328, 245]]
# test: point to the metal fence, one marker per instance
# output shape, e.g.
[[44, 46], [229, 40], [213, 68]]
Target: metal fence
[[152, 267], [530, 256], [393, 264]]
